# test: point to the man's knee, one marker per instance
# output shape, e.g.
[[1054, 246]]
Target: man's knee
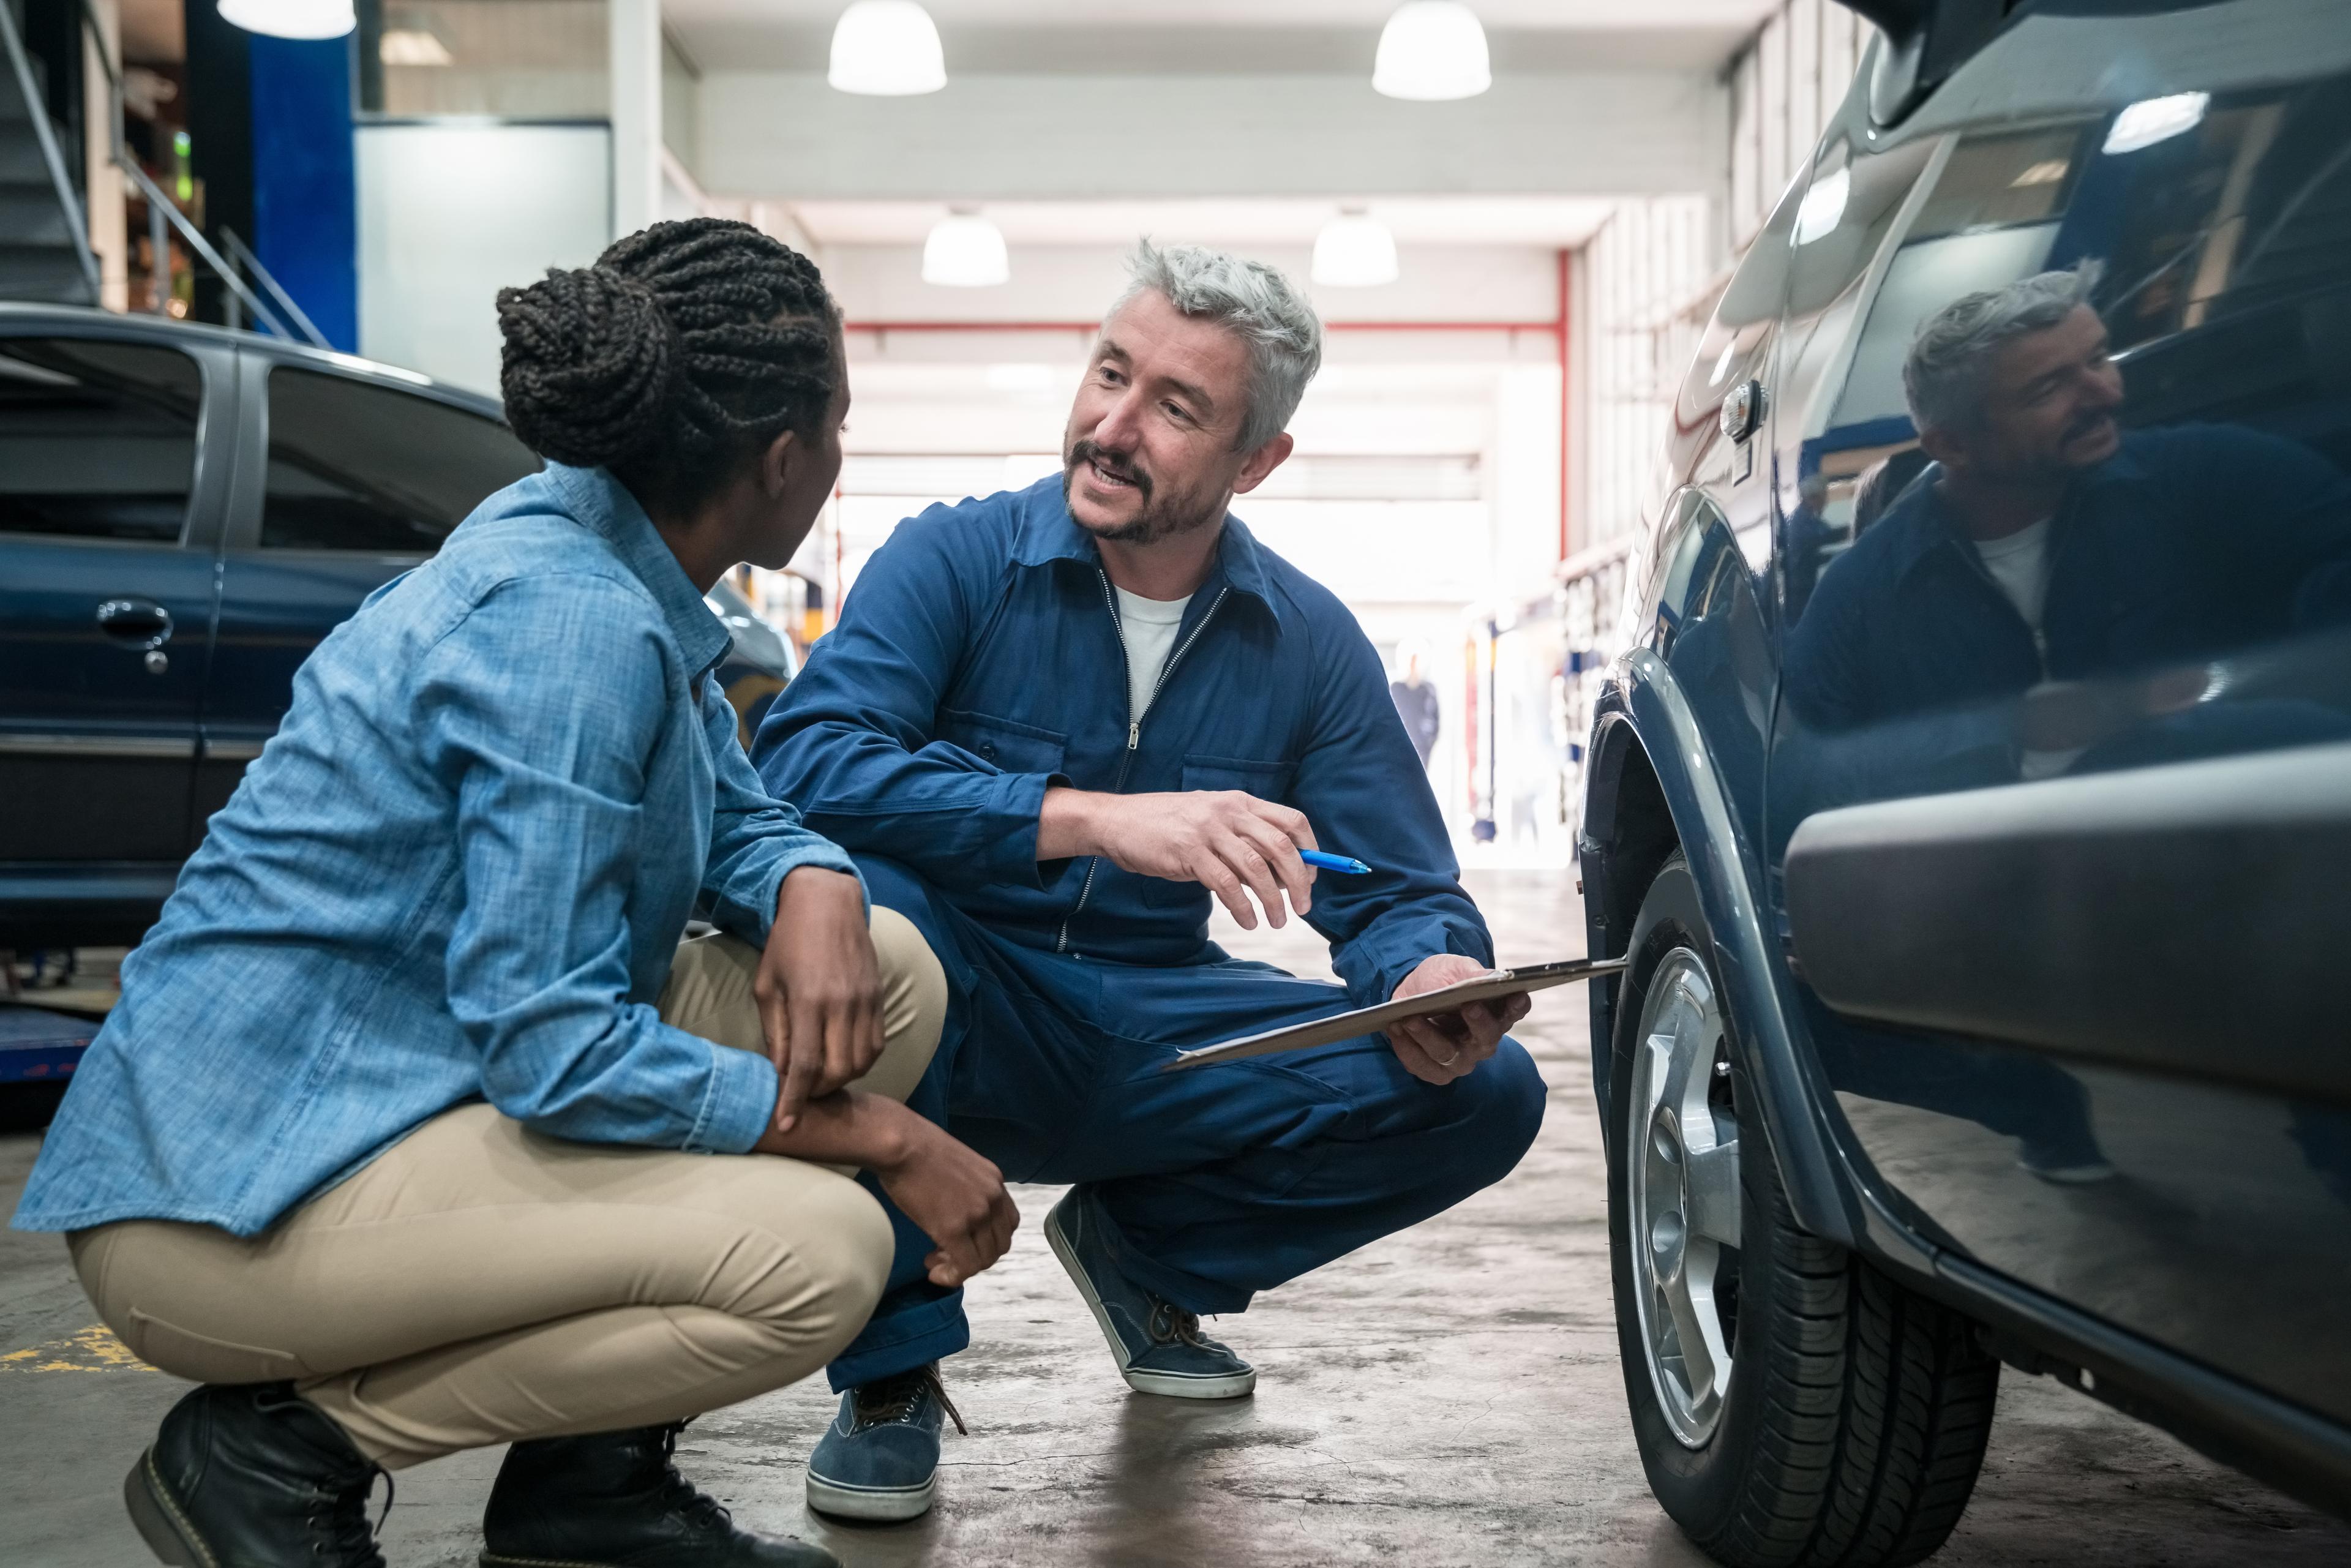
[[1511, 1097]]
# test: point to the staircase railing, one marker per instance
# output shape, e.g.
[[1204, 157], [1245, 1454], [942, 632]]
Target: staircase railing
[[162, 210], [38, 110]]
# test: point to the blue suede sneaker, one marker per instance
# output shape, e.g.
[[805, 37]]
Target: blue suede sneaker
[[1158, 1345], [879, 1458]]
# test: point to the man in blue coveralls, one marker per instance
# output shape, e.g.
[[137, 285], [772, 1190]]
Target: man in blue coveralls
[[1050, 727]]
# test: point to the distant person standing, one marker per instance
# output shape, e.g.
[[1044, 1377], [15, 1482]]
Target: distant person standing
[[1416, 703]]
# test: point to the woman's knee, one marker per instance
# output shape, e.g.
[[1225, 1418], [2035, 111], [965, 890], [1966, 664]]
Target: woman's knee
[[832, 1243]]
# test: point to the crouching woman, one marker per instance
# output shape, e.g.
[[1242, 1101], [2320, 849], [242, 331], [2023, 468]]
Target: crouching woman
[[417, 1128]]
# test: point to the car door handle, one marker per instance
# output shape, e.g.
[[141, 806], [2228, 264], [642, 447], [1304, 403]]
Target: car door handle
[[135, 623], [2182, 918]]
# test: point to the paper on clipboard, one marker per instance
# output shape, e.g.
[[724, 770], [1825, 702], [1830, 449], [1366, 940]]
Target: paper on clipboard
[[1371, 1021]]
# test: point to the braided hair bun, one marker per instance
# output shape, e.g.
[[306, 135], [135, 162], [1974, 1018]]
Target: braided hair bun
[[686, 346]]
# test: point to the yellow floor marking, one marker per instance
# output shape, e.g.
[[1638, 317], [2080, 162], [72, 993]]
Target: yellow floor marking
[[93, 1349]]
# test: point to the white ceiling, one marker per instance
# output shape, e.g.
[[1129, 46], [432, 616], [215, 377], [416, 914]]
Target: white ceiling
[[1536, 15], [1548, 222]]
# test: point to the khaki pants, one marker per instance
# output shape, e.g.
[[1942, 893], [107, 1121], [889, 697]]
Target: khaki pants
[[480, 1283]]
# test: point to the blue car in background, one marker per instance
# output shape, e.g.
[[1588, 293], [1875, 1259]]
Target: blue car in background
[[184, 512], [1976, 1015]]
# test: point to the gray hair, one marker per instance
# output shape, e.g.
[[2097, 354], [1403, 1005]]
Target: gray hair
[[1943, 379], [1249, 297]]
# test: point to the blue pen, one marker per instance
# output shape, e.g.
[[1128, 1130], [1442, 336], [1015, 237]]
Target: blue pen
[[1335, 863]]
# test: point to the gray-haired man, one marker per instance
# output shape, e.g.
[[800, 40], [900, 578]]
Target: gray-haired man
[[2047, 544], [1050, 725]]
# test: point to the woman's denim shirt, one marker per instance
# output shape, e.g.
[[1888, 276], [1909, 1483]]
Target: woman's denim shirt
[[458, 871]]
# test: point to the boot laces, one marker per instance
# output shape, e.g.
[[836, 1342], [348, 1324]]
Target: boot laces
[[681, 1496], [340, 1532], [895, 1398], [1171, 1325]]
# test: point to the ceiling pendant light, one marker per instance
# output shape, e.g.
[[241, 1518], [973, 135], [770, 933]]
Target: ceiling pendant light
[[887, 48], [1432, 50], [291, 18], [966, 251], [1354, 250]]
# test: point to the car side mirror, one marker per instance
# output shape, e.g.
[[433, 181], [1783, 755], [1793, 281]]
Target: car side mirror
[[1926, 41]]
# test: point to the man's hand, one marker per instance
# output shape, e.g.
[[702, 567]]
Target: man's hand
[[1446, 1046], [955, 1198], [1230, 843], [819, 990]]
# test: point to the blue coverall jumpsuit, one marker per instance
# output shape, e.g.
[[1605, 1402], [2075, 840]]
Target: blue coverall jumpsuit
[[980, 660]]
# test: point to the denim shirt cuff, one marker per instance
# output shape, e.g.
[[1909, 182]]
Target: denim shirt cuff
[[821, 853], [737, 1105]]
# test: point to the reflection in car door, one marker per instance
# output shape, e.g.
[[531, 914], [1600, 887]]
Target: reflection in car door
[[109, 482], [345, 483], [2166, 1158]]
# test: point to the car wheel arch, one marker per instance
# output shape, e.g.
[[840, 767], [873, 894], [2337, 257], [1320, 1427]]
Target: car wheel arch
[[1651, 790]]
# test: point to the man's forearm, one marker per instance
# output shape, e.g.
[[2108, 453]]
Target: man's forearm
[[1069, 823], [848, 1128]]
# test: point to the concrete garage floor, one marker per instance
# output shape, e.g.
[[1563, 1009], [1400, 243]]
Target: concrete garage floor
[[1448, 1397]]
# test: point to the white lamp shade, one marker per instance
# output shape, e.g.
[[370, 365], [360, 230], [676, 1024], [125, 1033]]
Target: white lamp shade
[[966, 251], [291, 18], [1354, 252], [887, 48], [1432, 50]]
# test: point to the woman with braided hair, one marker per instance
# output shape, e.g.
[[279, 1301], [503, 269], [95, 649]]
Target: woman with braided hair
[[417, 1127]]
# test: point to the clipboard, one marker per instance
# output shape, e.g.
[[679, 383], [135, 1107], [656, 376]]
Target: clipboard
[[1371, 1021]]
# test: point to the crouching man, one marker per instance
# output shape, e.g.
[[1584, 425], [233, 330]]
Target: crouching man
[[1050, 725]]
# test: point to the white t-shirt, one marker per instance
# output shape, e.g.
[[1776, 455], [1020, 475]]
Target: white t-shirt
[[2020, 564], [1149, 626]]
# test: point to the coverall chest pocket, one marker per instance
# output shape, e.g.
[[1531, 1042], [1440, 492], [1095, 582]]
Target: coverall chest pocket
[[1006, 745], [1265, 780]]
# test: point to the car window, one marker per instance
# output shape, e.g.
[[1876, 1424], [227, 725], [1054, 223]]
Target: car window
[[97, 439], [355, 466], [2186, 590]]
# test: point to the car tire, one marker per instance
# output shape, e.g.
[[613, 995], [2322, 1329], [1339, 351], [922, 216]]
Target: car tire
[[1846, 1423]]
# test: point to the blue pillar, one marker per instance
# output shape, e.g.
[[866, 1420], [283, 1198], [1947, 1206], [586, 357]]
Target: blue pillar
[[305, 193]]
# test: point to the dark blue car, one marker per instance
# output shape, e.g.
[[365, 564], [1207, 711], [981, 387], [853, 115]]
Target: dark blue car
[[1986, 1000], [184, 512]]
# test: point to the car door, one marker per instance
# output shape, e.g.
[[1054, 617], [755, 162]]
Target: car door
[[113, 449], [349, 480], [2070, 951]]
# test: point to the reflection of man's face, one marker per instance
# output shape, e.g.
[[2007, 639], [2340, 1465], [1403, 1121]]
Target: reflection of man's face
[[2048, 406]]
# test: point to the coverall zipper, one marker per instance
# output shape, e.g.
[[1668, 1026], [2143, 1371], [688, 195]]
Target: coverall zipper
[[1134, 721]]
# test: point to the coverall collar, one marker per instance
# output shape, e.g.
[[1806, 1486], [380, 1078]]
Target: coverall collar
[[603, 506], [1047, 533], [1938, 527]]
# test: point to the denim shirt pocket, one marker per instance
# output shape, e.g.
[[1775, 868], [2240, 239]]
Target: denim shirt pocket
[[1006, 745]]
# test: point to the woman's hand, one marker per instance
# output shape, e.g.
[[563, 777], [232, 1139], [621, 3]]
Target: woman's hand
[[819, 990], [957, 1198]]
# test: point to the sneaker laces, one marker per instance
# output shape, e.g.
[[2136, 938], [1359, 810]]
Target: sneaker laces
[[896, 1398], [1171, 1325], [339, 1519], [678, 1495]]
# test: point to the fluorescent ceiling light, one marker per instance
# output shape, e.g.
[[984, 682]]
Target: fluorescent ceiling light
[[411, 46], [887, 48], [2154, 120], [1823, 204], [966, 251], [1354, 251], [2048, 171], [291, 18], [1432, 50]]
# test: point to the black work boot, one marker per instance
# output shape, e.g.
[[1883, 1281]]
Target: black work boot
[[253, 1476], [613, 1500]]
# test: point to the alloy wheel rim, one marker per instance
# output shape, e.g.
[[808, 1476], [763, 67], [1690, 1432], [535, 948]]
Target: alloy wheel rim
[[1682, 1151]]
